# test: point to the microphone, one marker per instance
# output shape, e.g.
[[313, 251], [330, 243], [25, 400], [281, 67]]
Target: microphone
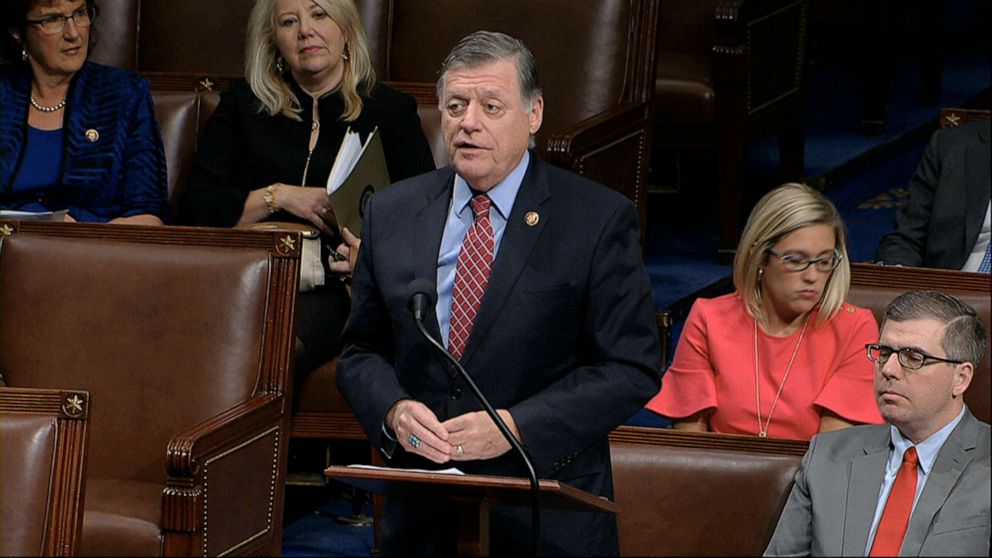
[[423, 295]]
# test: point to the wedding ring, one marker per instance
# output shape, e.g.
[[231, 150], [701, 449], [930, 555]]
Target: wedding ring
[[460, 450], [414, 441], [325, 210]]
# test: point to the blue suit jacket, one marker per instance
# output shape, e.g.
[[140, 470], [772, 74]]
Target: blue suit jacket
[[121, 173], [565, 337], [832, 504]]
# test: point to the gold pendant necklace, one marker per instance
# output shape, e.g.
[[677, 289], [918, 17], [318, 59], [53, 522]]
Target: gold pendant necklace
[[763, 432]]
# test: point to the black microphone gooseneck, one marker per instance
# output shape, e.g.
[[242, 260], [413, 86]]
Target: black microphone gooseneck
[[423, 296]]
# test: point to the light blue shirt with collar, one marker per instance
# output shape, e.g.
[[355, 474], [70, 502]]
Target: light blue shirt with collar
[[460, 218], [926, 451]]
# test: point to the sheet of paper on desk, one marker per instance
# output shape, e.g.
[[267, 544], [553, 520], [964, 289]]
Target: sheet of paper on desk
[[449, 471], [34, 215]]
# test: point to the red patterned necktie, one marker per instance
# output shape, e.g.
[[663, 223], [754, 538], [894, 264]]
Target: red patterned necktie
[[471, 275], [895, 517]]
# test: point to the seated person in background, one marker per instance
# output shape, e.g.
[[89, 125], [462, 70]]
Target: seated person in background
[[267, 150], [945, 222], [920, 485], [74, 135], [781, 356]]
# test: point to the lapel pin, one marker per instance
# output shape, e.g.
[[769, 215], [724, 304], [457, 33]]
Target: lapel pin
[[531, 218], [92, 135]]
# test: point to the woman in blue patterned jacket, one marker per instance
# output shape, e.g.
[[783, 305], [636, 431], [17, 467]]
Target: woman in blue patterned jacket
[[74, 135]]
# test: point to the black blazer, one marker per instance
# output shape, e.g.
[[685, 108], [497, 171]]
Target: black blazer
[[565, 337], [939, 223], [243, 149]]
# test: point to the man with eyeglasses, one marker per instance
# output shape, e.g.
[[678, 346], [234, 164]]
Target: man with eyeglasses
[[919, 485]]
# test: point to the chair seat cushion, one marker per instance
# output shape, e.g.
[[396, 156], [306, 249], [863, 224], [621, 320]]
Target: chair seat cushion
[[683, 92], [108, 532]]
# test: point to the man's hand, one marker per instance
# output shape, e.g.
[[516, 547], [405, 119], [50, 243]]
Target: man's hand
[[349, 251], [408, 417], [475, 435]]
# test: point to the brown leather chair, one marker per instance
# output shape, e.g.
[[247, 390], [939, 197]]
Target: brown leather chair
[[183, 104], [43, 443], [699, 494], [874, 287], [730, 72], [185, 337]]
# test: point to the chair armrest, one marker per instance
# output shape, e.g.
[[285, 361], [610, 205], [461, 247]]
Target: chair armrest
[[611, 148], [187, 450]]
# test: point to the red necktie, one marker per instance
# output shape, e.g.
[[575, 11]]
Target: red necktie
[[895, 517], [471, 275]]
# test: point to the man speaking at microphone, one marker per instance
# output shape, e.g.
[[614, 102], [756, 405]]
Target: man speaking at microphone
[[542, 296]]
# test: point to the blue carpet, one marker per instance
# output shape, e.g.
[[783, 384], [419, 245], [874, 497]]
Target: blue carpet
[[318, 534]]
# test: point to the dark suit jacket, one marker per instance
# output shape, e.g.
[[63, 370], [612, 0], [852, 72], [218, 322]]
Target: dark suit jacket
[[832, 504], [939, 223], [565, 337]]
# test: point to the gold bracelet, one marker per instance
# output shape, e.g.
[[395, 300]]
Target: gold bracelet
[[269, 197]]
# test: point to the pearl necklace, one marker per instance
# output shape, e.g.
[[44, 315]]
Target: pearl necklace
[[43, 108], [763, 432]]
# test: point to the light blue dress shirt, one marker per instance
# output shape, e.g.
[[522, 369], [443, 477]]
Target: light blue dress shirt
[[460, 218], [926, 451]]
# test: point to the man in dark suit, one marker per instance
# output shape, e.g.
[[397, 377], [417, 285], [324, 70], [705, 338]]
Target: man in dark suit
[[919, 486], [542, 295], [945, 221]]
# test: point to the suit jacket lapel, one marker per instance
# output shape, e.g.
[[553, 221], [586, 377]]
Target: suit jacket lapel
[[951, 461], [977, 191], [424, 242], [867, 473], [518, 241]]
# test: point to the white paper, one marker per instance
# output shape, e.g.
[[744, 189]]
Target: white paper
[[349, 153], [450, 471], [33, 215]]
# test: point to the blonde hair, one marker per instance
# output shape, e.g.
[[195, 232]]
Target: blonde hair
[[268, 83], [781, 211]]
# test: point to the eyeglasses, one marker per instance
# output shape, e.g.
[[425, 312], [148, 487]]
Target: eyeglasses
[[794, 262], [53, 24], [910, 359]]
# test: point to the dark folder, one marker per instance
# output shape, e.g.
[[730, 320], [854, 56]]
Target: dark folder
[[351, 200]]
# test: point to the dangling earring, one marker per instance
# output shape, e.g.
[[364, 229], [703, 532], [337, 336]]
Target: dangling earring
[[761, 273], [24, 54], [344, 53], [280, 65]]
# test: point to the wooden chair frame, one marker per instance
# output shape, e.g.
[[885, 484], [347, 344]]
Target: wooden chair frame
[[70, 412]]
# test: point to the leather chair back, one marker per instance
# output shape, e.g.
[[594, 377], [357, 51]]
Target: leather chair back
[[181, 116], [138, 326], [177, 113], [193, 36], [116, 34], [43, 442], [699, 494], [582, 65], [874, 287], [185, 336]]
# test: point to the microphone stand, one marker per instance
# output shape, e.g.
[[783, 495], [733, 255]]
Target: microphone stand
[[503, 428]]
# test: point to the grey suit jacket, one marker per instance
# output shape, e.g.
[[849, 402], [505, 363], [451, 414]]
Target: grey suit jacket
[[832, 503], [939, 223]]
